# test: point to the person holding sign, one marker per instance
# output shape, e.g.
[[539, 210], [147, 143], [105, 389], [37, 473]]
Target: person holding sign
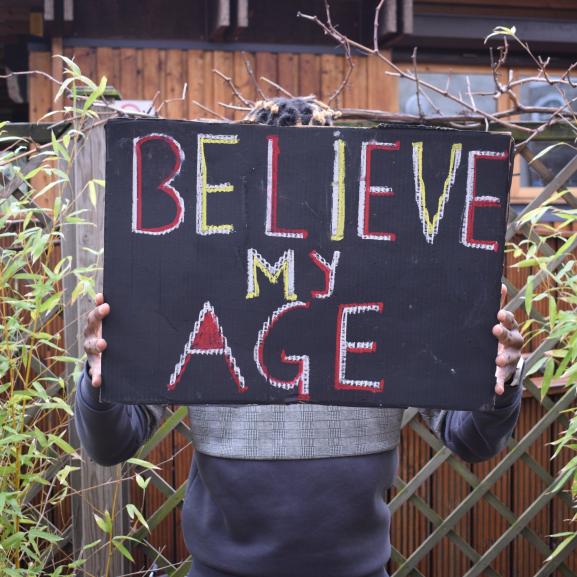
[[295, 489]]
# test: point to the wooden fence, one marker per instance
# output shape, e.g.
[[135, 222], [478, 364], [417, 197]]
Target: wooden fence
[[449, 518]]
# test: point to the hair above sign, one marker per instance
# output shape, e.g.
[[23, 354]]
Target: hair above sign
[[257, 264]]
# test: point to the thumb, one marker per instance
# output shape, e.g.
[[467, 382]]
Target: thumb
[[503, 295], [499, 381]]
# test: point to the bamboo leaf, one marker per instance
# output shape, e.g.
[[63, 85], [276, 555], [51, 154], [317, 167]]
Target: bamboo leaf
[[104, 524], [529, 294], [142, 463], [96, 93], [120, 546]]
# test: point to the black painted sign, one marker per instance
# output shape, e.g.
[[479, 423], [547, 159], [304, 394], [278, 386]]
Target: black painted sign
[[253, 264]]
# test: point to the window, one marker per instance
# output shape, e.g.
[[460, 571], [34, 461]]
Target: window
[[456, 83], [543, 94]]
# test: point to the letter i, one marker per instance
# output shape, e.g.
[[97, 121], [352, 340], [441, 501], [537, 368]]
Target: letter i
[[338, 204]]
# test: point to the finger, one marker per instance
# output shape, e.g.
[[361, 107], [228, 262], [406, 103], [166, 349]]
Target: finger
[[502, 333], [499, 381], [508, 358], [507, 318], [503, 295], [96, 379], [95, 317], [517, 340], [99, 299], [512, 339], [94, 345]]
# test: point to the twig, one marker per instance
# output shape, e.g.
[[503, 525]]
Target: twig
[[250, 71], [210, 111], [469, 91], [417, 85], [30, 72], [152, 108], [376, 25], [347, 76], [180, 98], [432, 104], [235, 107], [277, 86], [233, 88]]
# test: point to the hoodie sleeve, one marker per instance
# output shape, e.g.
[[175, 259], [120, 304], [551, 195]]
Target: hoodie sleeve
[[479, 435], [111, 432]]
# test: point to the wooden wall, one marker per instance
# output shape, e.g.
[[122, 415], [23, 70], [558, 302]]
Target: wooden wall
[[142, 73], [139, 74]]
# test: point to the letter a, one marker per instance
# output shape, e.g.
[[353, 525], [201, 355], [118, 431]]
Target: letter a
[[207, 338]]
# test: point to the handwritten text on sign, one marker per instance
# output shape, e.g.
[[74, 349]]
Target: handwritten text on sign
[[333, 265]]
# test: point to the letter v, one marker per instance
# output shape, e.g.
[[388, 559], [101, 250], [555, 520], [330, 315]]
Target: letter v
[[431, 226]]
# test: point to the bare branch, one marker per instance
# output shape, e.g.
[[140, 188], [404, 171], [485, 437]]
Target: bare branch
[[376, 25], [469, 91], [235, 107], [347, 76], [250, 71], [180, 98], [277, 86], [233, 88], [151, 108], [417, 86], [209, 110], [31, 72], [470, 108]]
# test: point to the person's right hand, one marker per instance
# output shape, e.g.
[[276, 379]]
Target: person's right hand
[[94, 344]]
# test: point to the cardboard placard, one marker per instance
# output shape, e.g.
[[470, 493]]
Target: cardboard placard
[[254, 264]]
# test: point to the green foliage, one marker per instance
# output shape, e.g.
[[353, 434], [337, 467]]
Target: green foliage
[[557, 272], [36, 457]]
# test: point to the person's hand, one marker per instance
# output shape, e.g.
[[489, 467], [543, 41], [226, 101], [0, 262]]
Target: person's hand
[[509, 347], [94, 344]]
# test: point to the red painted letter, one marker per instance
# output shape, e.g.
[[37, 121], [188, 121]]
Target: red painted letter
[[271, 227], [207, 338], [329, 270], [164, 186], [301, 379], [473, 201], [344, 347], [366, 191]]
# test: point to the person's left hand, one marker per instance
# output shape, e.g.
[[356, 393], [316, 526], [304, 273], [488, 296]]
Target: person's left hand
[[509, 347]]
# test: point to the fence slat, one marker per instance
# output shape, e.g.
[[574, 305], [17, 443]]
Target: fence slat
[[105, 493]]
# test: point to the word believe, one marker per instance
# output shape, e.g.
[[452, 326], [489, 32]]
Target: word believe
[[366, 190]]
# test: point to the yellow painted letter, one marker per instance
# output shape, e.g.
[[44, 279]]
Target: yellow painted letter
[[203, 188]]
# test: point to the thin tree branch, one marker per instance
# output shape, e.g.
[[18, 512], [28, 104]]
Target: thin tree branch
[[250, 71], [277, 86], [233, 88], [210, 111]]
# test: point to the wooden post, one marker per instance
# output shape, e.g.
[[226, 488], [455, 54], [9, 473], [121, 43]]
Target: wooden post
[[100, 488]]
